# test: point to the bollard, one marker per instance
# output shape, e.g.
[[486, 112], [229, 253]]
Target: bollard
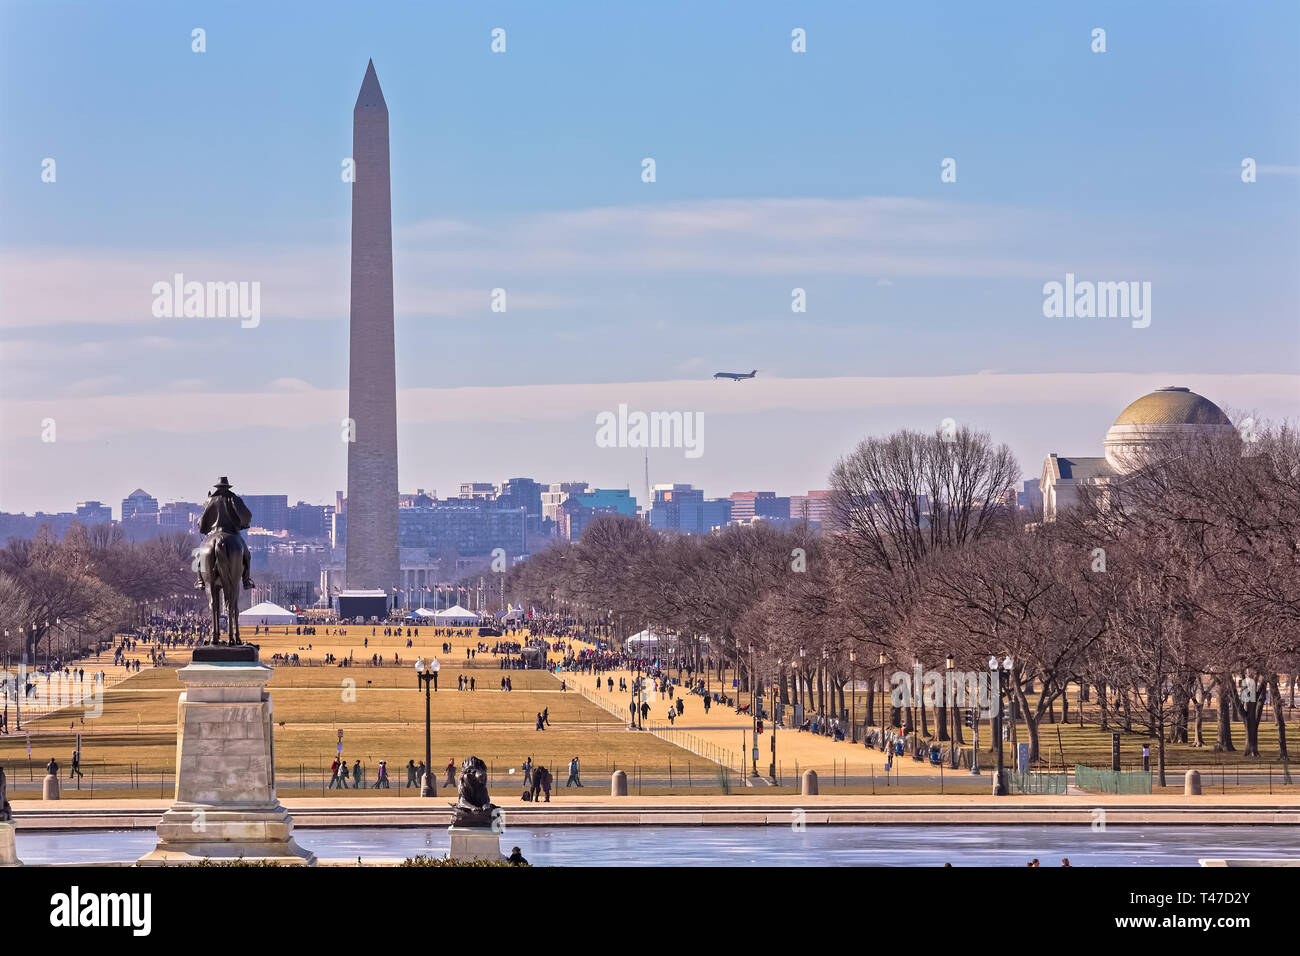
[[50, 788], [1192, 784], [809, 785], [618, 784]]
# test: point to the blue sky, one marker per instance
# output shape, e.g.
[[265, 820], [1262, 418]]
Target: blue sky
[[521, 171]]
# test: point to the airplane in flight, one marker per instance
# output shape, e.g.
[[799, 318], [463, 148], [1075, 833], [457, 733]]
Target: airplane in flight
[[735, 376]]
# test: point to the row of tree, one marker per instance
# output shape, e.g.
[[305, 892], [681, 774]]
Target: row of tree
[[1165, 594], [86, 586]]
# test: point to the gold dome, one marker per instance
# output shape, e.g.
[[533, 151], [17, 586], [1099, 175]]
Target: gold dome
[[1172, 406]]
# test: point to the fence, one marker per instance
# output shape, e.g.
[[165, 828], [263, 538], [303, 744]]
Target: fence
[[1031, 782], [1112, 781]]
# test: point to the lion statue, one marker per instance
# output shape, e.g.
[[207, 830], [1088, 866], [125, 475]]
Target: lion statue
[[474, 807]]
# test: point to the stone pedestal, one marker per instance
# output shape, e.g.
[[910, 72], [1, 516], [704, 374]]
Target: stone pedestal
[[474, 843], [225, 806], [8, 849], [1192, 784], [50, 787], [618, 784]]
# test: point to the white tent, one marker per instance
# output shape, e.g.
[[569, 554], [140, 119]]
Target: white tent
[[457, 615], [650, 638], [267, 613], [422, 612]]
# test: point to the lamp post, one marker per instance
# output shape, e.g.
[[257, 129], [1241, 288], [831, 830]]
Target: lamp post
[[802, 669], [753, 707], [853, 695], [771, 770], [950, 699], [999, 781], [882, 702], [20, 683], [427, 675], [826, 685], [916, 700]]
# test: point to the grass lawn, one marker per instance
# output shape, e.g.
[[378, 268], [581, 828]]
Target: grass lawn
[[380, 710]]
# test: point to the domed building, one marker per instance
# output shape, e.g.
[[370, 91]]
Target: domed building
[[1155, 418]]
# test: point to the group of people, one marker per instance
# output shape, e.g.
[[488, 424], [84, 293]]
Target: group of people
[[339, 775], [537, 782]]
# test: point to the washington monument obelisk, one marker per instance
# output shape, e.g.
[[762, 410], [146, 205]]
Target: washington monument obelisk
[[372, 555]]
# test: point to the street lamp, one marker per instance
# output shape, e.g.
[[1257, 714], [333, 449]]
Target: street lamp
[[427, 675], [806, 682], [20, 683], [853, 695], [752, 706], [999, 781], [916, 698], [771, 770], [951, 699], [882, 702]]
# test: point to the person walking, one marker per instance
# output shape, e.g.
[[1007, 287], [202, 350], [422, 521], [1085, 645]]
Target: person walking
[[334, 774], [546, 716], [573, 774], [76, 767], [539, 722], [411, 779], [451, 773], [381, 779], [527, 768], [356, 775]]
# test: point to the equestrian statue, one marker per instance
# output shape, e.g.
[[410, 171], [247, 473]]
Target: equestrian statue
[[223, 556]]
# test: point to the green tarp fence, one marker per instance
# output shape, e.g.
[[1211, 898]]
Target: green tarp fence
[[1037, 782], [1112, 781]]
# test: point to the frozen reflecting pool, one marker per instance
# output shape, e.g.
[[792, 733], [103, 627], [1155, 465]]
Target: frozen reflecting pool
[[752, 845]]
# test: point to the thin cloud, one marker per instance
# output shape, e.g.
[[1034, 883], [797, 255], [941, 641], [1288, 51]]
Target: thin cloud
[[734, 237]]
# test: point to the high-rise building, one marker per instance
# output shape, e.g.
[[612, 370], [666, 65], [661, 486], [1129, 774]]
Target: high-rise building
[[555, 494], [620, 499], [310, 521], [466, 526], [748, 505], [180, 516], [269, 511], [814, 507], [372, 548], [94, 512], [1030, 498], [139, 504], [478, 489], [716, 513], [574, 517], [523, 493], [677, 507]]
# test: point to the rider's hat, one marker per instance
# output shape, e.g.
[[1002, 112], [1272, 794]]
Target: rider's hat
[[223, 483]]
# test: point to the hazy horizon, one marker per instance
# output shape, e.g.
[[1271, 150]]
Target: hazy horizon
[[774, 171]]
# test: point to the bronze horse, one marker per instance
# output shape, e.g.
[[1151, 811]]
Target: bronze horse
[[221, 560], [223, 557]]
